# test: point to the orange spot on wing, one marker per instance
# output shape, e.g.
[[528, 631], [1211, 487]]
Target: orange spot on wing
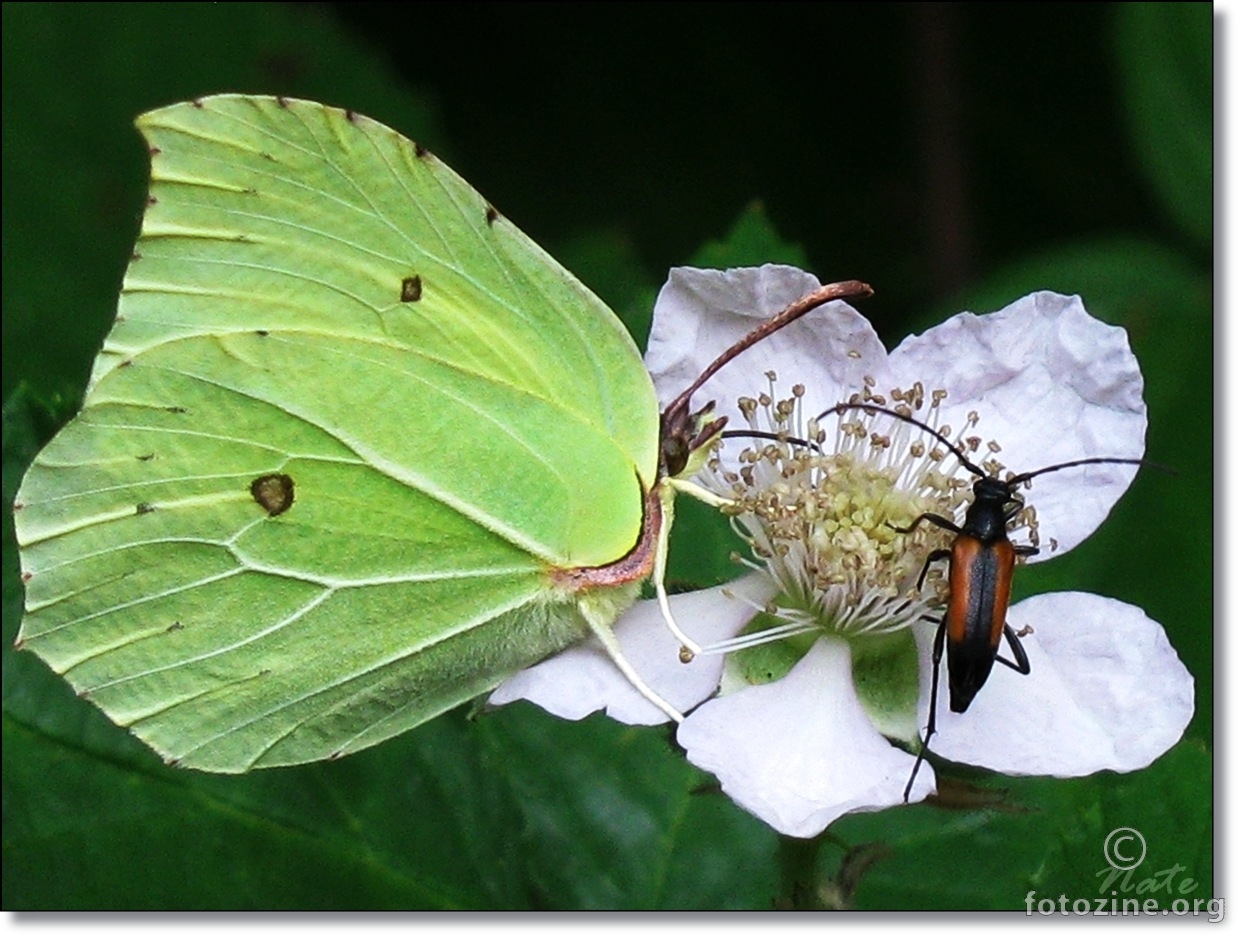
[[1001, 600], [963, 555]]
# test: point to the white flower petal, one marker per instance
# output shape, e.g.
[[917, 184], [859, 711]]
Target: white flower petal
[[584, 679], [1051, 384], [1106, 691], [800, 752], [701, 313]]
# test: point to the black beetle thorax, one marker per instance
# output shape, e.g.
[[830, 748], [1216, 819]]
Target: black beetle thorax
[[987, 516]]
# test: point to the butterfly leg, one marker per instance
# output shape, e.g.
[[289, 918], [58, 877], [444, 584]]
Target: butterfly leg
[[704, 495], [600, 625], [688, 648]]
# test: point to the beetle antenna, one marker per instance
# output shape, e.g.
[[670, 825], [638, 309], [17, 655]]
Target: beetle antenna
[[772, 436], [1028, 475], [874, 408]]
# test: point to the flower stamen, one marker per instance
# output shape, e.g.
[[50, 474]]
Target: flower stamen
[[829, 513]]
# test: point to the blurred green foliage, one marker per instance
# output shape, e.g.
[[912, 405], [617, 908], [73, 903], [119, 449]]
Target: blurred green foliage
[[940, 151]]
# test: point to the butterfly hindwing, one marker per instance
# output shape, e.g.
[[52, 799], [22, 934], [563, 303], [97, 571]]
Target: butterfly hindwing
[[348, 421]]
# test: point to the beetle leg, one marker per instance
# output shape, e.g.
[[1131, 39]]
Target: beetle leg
[[935, 519], [1021, 663], [935, 556], [939, 649]]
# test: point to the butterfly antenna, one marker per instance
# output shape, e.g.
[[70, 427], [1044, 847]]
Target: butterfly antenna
[[848, 289], [680, 434], [599, 624]]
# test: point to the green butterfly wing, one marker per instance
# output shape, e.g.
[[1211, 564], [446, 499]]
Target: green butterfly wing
[[346, 427]]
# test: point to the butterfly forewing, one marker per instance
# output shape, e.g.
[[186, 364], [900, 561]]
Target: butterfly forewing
[[348, 421]]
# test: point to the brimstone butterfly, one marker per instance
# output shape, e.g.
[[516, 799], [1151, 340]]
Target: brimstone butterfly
[[355, 450]]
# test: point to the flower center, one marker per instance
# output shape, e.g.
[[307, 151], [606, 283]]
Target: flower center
[[828, 509]]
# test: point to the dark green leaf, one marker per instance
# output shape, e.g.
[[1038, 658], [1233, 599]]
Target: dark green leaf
[[1165, 63]]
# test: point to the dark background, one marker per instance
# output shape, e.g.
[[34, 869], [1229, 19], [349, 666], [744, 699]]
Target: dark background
[[946, 138], [953, 155]]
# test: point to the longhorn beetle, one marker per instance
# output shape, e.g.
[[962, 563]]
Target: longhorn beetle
[[982, 562]]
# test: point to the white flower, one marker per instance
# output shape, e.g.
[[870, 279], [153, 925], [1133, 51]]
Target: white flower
[[796, 729]]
